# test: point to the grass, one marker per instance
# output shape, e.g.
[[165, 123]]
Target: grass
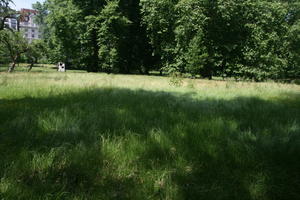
[[97, 136], [38, 68]]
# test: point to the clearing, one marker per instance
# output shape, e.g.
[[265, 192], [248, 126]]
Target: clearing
[[97, 136]]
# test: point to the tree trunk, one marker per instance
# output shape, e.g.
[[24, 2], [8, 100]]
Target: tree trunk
[[33, 61], [161, 72], [30, 67], [94, 58], [2, 24], [12, 67]]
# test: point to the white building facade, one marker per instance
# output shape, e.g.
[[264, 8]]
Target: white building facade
[[27, 25], [12, 23]]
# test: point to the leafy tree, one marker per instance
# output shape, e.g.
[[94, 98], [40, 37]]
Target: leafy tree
[[35, 51], [250, 39], [88, 10], [65, 28], [191, 52], [159, 20], [112, 28], [40, 18], [14, 45], [247, 39]]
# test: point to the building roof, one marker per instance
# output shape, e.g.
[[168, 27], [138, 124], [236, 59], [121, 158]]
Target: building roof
[[25, 14], [25, 10]]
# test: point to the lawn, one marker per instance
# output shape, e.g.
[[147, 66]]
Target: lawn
[[96, 136]]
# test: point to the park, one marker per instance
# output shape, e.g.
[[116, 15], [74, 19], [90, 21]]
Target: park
[[151, 100]]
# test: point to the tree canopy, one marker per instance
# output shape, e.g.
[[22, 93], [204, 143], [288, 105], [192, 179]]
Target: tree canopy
[[249, 39]]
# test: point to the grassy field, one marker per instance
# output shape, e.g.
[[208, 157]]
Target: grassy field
[[38, 68], [96, 136]]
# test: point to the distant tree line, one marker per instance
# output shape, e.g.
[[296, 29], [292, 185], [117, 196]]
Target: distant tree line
[[245, 39]]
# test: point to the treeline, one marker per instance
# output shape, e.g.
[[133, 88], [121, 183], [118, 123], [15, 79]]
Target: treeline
[[250, 39]]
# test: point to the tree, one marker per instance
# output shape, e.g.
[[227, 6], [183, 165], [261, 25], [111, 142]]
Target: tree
[[88, 10], [112, 28], [250, 39], [159, 16], [191, 52], [14, 45], [5, 12], [35, 51], [40, 18], [65, 28]]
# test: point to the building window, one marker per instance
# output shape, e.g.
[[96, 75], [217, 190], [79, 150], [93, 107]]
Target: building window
[[32, 35], [26, 35], [33, 30], [27, 18]]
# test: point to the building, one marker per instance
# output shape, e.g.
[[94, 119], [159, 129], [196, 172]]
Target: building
[[27, 25], [24, 22], [11, 23]]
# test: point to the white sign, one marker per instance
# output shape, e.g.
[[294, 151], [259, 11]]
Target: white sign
[[61, 67]]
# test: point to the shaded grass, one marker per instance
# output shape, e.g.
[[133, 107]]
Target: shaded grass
[[123, 137]]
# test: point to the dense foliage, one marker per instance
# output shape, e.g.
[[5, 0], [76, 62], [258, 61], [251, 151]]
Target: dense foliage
[[249, 39], [244, 39]]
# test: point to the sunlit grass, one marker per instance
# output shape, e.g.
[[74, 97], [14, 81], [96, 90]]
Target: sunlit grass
[[23, 67], [98, 136]]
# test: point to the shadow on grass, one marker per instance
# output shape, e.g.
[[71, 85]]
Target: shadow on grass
[[124, 144]]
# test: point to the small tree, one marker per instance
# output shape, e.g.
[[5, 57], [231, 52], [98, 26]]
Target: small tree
[[34, 52], [14, 45]]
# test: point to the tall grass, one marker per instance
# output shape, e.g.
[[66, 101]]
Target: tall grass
[[96, 136]]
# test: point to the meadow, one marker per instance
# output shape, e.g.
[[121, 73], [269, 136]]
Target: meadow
[[97, 136]]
